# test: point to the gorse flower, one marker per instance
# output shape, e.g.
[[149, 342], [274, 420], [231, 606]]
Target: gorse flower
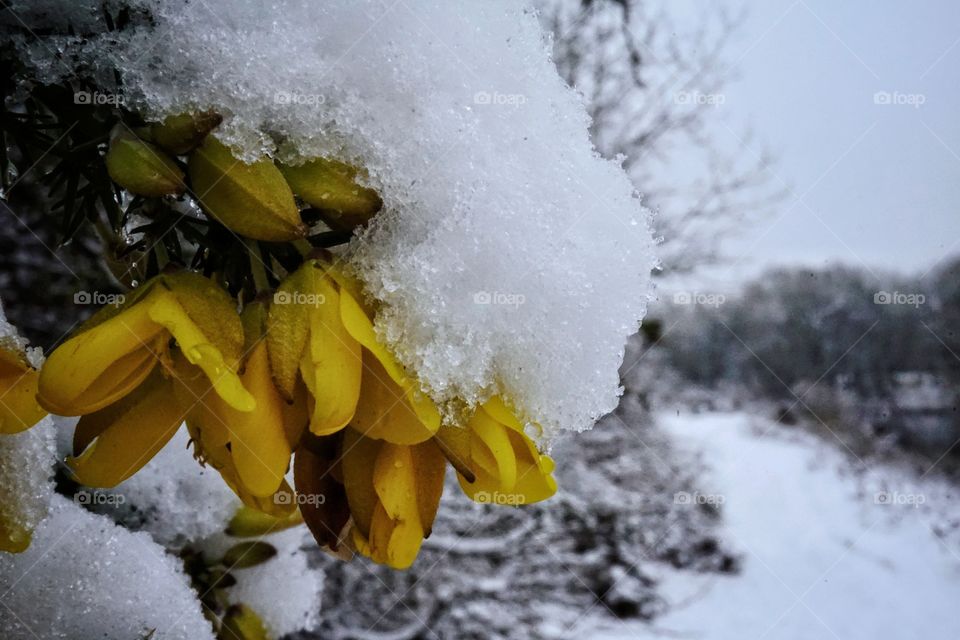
[[298, 377], [506, 466], [118, 372], [321, 334], [302, 375], [389, 454], [250, 449]]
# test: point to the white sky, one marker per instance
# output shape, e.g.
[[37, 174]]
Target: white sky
[[871, 184]]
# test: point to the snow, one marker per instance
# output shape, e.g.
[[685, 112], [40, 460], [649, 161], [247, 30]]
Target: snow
[[509, 257], [26, 475], [85, 577], [285, 591], [822, 558]]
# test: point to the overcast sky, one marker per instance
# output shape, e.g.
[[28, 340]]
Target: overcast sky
[[871, 183]]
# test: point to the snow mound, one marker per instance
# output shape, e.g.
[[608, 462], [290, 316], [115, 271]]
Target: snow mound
[[84, 577], [509, 257]]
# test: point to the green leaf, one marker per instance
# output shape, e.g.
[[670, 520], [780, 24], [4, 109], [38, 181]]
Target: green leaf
[[248, 554]]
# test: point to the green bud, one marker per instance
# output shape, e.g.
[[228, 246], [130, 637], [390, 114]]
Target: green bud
[[241, 623], [251, 199], [331, 187], [244, 555], [182, 133], [250, 523], [141, 168]]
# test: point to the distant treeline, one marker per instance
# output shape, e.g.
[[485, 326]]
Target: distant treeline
[[836, 325]]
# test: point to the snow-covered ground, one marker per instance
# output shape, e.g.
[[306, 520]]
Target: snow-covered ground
[[823, 556]]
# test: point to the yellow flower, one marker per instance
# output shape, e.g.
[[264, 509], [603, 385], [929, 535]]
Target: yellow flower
[[393, 491], [391, 461], [506, 466], [117, 372], [392, 449], [251, 449], [18, 389], [320, 333]]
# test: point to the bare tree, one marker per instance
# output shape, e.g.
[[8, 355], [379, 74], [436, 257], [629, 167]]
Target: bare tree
[[654, 89]]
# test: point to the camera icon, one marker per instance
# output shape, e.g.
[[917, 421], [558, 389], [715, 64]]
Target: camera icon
[[283, 498], [482, 297], [882, 97], [682, 497], [481, 97], [682, 297], [882, 297], [881, 497], [483, 497], [282, 297], [82, 97], [282, 97], [82, 297]]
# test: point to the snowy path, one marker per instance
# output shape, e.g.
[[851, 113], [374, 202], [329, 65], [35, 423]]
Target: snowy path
[[820, 559]]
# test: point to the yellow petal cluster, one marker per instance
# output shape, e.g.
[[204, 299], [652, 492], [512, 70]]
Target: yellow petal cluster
[[301, 378]]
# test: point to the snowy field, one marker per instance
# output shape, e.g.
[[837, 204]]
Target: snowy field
[[821, 557]]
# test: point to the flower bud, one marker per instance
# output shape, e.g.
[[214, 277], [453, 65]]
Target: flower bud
[[331, 187], [242, 623], [251, 199], [141, 168], [182, 133]]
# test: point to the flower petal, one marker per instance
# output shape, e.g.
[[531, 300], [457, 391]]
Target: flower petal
[[132, 431], [100, 365], [494, 436], [384, 411], [357, 462], [336, 365], [288, 327], [322, 500], [359, 325], [199, 349], [258, 441]]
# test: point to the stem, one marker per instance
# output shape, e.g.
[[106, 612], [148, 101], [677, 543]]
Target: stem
[[257, 268], [303, 246]]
